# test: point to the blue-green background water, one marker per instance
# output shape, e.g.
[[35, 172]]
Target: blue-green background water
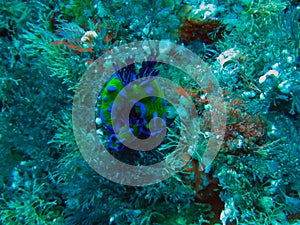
[[251, 47]]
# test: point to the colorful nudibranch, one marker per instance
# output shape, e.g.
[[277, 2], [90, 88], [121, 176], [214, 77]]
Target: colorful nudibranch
[[142, 112]]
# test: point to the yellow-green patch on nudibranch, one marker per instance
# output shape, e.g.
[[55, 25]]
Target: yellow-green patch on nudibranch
[[110, 92], [155, 105]]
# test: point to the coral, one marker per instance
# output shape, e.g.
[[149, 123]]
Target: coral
[[79, 10], [206, 187], [207, 31], [242, 122]]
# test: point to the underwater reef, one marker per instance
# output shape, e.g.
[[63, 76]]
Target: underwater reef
[[252, 49]]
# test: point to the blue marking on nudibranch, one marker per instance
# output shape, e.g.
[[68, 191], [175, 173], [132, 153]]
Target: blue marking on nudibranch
[[105, 98], [111, 89]]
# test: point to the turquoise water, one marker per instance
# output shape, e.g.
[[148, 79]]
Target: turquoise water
[[218, 95]]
